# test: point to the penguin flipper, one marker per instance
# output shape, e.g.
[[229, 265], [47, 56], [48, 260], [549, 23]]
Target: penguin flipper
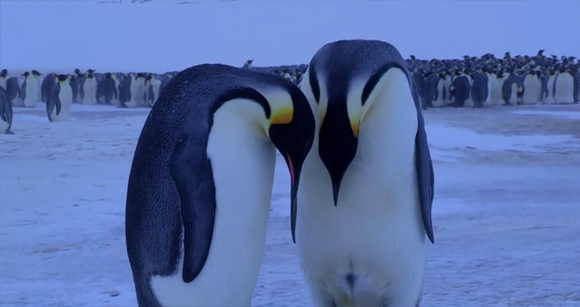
[[425, 176], [23, 90], [49, 107], [198, 205]]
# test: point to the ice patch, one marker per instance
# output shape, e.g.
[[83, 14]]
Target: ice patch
[[562, 114], [444, 137]]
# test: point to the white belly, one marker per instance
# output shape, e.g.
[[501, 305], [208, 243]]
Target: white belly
[[564, 88], [156, 85], [115, 99], [65, 96], [243, 170], [132, 103], [90, 91], [440, 101], [3, 82], [447, 84], [139, 92], [38, 87], [532, 90], [375, 232], [31, 98]]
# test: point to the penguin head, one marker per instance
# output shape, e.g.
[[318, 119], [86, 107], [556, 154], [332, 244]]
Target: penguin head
[[62, 78], [26, 74], [291, 127], [4, 73], [36, 73]]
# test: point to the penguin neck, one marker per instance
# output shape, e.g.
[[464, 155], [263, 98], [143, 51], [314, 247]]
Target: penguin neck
[[243, 162]]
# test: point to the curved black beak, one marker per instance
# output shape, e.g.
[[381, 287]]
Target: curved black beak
[[295, 168]]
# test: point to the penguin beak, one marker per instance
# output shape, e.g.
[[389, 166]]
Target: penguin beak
[[294, 167]]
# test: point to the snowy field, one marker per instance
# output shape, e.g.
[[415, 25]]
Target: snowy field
[[507, 197]]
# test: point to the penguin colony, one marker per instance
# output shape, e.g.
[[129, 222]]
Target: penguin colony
[[469, 82]]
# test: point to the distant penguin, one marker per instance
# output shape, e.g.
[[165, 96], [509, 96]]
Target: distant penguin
[[419, 87], [29, 90], [479, 89], [133, 88], [550, 83], [363, 216], [532, 87], [493, 88], [248, 64], [3, 78], [107, 89], [446, 85], [13, 91], [115, 100], [441, 98], [468, 102], [200, 184], [564, 86], [88, 88], [46, 86], [512, 89], [75, 82], [152, 86], [460, 91], [138, 89], [431, 92], [37, 77], [60, 100], [497, 93], [125, 97], [6, 114]]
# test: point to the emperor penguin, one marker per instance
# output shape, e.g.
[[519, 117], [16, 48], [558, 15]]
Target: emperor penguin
[[138, 89], [550, 85], [29, 90], [480, 89], [60, 100], [460, 90], [3, 78], [441, 99], [46, 86], [152, 86], [512, 89], [563, 88], [5, 113], [88, 88], [107, 90], [532, 86], [201, 180], [496, 98], [13, 91], [37, 76], [364, 204], [125, 92]]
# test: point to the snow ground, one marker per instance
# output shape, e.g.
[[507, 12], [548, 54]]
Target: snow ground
[[508, 189], [506, 212]]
